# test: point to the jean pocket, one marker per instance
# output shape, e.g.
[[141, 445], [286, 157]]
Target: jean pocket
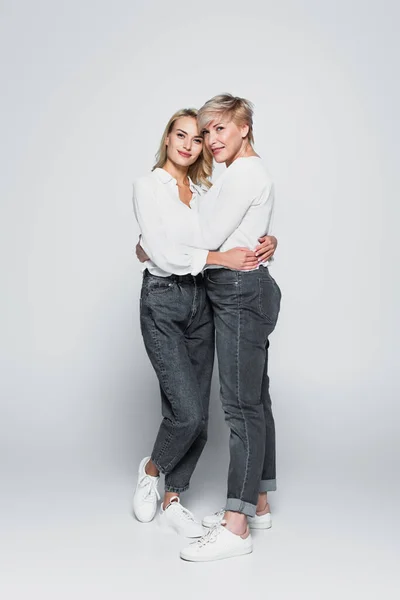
[[222, 277], [159, 287], [269, 299]]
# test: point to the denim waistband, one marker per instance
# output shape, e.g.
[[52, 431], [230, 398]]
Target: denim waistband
[[223, 275], [177, 278]]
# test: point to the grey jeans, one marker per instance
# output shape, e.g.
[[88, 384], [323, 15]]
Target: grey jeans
[[178, 333], [246, 307]]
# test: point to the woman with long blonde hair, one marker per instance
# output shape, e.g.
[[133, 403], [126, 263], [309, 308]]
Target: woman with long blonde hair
[[176, 317]]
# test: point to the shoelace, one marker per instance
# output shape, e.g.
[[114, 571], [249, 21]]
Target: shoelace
[[211, 535], [151, 488], [185, 513]]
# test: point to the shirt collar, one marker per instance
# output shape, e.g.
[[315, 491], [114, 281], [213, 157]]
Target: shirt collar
[[165, 177]]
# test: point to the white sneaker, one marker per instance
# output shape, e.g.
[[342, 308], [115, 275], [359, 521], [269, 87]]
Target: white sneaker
[[256, 522], [218, 543], [180, 519], [146, 494]]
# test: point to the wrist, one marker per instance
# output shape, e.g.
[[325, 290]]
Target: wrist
[[215, 258]]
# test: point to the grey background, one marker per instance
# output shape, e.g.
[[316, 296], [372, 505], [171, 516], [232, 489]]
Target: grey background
[[87, 88]]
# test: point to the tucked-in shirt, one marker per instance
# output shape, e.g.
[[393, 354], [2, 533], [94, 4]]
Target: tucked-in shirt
[[236, 211]]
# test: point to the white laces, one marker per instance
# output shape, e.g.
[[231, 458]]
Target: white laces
[[150, 485], [211, 535], [183, 512], [220, 513]]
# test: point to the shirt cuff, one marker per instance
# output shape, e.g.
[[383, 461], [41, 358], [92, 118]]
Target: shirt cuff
[[199, 261]]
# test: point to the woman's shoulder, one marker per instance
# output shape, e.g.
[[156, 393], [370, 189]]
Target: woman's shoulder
[[146, 184], [148, 180], [252, 166]]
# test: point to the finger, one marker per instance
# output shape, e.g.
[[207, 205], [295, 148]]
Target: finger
[[264, 248], [251, 263], [251, 259], [264, 257], [266, 242]]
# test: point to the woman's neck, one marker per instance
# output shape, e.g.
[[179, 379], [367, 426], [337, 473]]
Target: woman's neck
[[245, 150], [179, 173]]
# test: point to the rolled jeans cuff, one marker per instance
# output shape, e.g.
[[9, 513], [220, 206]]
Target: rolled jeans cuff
[[236, 505], [169, 488], [175, 490], [268, 485]]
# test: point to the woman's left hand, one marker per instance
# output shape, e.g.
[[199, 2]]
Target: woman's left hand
[[267, 247]]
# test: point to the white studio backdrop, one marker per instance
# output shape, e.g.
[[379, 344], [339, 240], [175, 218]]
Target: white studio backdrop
[[87, 88], [87, 92]]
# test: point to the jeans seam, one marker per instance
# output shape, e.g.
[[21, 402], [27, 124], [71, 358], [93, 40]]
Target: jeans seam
[[168, 439], [238, 386]]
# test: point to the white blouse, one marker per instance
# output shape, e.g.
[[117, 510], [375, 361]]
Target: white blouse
[[161, 214], [236, 211]]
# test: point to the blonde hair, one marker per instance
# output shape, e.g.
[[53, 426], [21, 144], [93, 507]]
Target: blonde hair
[[201, 171], [236, 109]]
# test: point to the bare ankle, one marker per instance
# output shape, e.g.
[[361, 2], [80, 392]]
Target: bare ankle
[[168, 497], [151, 469], [236, 523], [265, 510], [262, 503]]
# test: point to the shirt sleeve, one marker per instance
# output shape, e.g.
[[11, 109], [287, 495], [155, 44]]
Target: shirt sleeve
[[164, 252], [221, 213]]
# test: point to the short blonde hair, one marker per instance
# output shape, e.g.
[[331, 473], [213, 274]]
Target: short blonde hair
[[236, 109], [201, 171]]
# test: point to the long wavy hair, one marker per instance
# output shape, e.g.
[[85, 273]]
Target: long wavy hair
[[199, 172]]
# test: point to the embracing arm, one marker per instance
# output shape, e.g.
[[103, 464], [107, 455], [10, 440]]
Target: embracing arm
[[222, 209], [219, 216], [240, 259]]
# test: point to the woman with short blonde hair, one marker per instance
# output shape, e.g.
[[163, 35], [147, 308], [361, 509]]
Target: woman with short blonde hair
[[245, 304]]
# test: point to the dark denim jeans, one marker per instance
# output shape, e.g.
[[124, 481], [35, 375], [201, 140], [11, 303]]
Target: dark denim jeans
[[178, 333], [246, 307]]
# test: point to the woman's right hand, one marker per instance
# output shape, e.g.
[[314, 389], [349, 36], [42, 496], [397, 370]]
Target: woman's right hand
[[140, 253], [239, 259]]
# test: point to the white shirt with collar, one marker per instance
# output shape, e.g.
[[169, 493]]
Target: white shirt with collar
[[161, 216], [236, 211]]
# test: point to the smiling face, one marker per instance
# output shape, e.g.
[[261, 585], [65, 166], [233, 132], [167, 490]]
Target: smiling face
[[225, 139], [184, 143]]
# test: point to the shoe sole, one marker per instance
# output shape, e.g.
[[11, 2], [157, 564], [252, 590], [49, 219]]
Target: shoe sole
[[238, 552]]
